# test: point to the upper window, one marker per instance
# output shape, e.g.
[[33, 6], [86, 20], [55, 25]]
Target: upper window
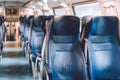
[[87, 9], [47, 13], [59, 11]]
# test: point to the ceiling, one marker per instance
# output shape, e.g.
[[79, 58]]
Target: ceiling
[[13, 3], [19, 3]]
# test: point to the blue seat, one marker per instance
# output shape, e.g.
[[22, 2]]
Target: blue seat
[[65, 57], [2, 33], [27, 27], [2, 28], [86, 26], [37, 37], [103, 49], [22, 24]]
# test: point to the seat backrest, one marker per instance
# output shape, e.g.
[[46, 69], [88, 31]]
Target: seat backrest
[[104, 25], [86, 26], [27, 27], [44, 24], [2, 28], [65, 55], [28, 20], [37, 34], [37, 21], [21, 25], [1, 21], [103, 49]]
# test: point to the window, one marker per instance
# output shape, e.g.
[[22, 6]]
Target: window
[[47, 13], [87, 9], [39, 12], [59, 11]]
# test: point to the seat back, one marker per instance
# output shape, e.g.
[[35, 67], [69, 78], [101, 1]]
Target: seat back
[[103, 49], [2, 28], [37, 34], [27, 27], [65, 55], [21, 21], [86, 26]]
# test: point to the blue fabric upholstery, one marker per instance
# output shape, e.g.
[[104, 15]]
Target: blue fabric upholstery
[[1, 48], [2, 33], [22, 24], [86, 26], [2, 28], [65, 56], [37, 36], [27, 27], [103, 49]]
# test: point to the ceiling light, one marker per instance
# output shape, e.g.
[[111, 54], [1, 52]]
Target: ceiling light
[[55, 0]]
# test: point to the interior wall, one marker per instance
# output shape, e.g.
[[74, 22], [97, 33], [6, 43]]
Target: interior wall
[[53, 4], [111, 8], [117, 2]]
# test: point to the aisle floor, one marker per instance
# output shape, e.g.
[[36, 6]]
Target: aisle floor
[[14, 66]]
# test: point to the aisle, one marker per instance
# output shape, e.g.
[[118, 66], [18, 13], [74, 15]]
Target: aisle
[[14, 66]]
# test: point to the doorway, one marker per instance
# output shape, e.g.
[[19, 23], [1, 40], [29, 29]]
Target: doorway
[[12, 33]]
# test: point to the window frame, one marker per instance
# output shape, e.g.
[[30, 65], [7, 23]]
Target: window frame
[[84, 3], [59, 7]]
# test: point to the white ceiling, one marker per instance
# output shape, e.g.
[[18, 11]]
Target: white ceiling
[[19, 3], [13, 3]]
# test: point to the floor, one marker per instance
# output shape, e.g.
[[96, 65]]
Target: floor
[[14, 66]]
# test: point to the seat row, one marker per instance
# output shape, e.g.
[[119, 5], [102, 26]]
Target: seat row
[[58, 50], [2, 34]]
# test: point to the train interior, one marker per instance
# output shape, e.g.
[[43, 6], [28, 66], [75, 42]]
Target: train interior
[[59, 40]]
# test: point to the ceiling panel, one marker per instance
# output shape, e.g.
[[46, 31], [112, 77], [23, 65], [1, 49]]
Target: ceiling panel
[[52, 3], [13, 3]]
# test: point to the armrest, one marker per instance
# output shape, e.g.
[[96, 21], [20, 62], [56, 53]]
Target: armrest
[[86, 40], [27, 42], [39, 59], [86, 49], [48, 71]]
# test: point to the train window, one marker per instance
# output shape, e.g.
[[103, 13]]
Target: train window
[[87, 9], [47, 13], [59, 11], [39, 12]]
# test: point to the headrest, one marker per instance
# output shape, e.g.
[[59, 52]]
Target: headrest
[[20, 18], [2, 19], [28, 20], [44, 22], [86, 19], [105, 25], [65, 25], [37, 21], [86, 26], [23, 19]]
